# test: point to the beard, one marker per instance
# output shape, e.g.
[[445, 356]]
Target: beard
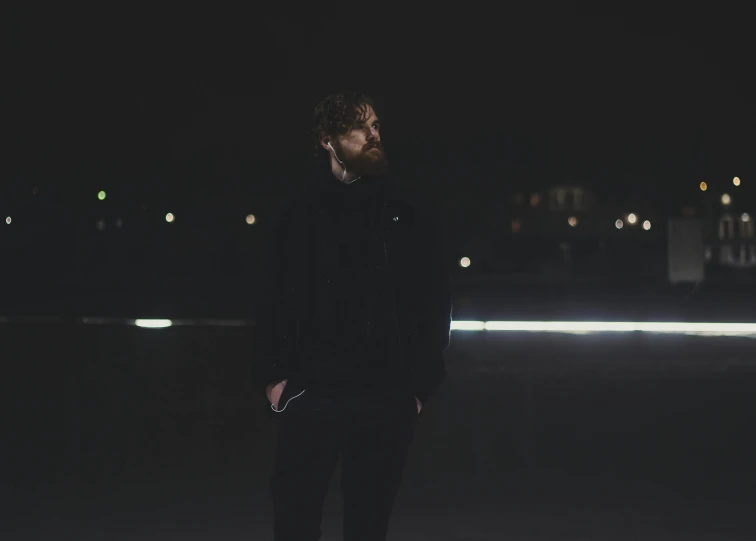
[[370, 161]]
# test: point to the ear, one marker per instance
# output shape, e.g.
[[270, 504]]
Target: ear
[[324, 140]]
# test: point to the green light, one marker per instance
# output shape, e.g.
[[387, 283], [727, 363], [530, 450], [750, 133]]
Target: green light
[[101, 196]]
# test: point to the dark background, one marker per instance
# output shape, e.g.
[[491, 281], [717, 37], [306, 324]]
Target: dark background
[[207, 118], [115, 432]]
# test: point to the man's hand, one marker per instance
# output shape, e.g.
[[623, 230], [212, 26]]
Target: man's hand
[[274, 392], [419, 405]]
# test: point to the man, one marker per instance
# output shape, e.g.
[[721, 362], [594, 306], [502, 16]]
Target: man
[[351, 342]]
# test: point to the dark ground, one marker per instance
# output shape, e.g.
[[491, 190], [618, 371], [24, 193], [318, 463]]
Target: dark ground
[[119, 433]]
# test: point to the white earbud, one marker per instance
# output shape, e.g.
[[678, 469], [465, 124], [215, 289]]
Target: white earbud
[[343, 176]]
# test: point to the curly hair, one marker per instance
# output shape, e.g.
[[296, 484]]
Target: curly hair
[[336, 114]]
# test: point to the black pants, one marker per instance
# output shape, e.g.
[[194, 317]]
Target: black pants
[[372, 436]]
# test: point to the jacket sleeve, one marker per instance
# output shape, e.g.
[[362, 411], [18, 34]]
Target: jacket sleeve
[[428, 367], [273, 323]]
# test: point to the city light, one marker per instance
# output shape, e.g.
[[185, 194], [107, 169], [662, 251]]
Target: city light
[[153, 323], [726, 199], [8, 220], [516, 225], [736, 181], [745, 217], [468, 325], [250, 219], [169, 218], [632, 219], [646, 225], [572, 221], [535, 199], [619, 224], [587, 327], [464, 262], [704, 186], [101, 196]]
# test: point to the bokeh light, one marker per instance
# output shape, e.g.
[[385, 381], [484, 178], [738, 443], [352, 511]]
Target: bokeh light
[[516, 225]]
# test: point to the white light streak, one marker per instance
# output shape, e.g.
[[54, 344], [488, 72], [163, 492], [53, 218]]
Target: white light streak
[[590, 327], [153, 323]]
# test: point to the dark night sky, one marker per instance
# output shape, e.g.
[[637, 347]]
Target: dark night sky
[[554, 97]]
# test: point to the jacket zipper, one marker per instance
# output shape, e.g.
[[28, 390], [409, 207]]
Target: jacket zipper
[[393, 296]]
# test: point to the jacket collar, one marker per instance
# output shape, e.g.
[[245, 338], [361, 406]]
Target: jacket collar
[[367, 187]]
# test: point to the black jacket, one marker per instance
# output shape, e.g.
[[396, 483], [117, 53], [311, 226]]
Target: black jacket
[[355, 266]]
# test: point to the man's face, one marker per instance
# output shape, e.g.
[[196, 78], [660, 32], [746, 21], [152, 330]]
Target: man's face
[[360, 148]]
